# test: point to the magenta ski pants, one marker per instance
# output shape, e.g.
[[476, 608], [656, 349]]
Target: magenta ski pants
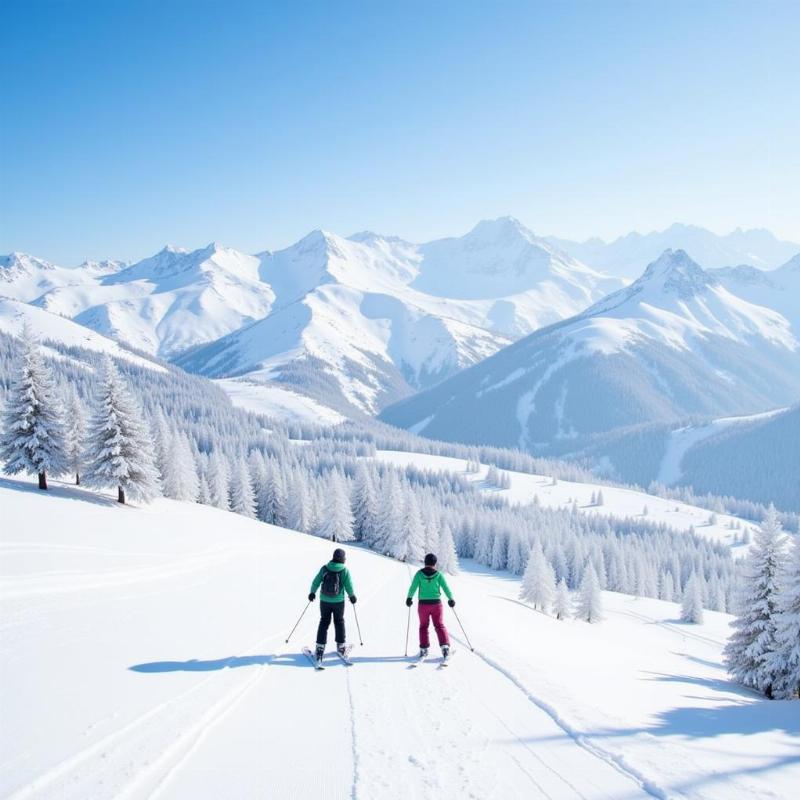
[[432, 612]]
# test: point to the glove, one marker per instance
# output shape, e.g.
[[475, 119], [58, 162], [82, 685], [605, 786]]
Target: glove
[[409, 602], [311, 597], [353, 599], [451, 603]]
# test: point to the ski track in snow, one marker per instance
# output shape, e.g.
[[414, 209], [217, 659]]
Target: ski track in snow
[[611, 759]]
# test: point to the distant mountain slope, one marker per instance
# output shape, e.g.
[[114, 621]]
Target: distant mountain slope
[[757, 461], [674, 343], [628, 255], [778, 288]]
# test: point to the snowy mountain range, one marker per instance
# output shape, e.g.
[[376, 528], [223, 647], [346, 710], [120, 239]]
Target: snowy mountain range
[[628, 255], [355, 322], [675, 343]]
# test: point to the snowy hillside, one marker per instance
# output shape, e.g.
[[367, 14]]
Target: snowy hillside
[[588, 498], [50, 327], [757, 459], [159, 636], [628, 255], [673, 344]]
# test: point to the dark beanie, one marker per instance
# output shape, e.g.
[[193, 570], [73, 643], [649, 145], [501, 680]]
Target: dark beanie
[[430, 560], [338, 555]]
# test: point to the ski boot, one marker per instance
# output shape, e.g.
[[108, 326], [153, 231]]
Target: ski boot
[[445, 652], [342, 650], [319, 652]]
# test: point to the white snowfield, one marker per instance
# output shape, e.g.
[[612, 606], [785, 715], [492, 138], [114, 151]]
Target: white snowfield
[[143, 655], [617, 501], [277, 401]]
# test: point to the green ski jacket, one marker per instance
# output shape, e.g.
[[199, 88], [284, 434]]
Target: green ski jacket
[[345, 583], [430, 583]]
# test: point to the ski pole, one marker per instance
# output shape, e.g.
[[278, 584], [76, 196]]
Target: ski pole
[[298, 622], [464, 632], [357, 625], [408, 628]]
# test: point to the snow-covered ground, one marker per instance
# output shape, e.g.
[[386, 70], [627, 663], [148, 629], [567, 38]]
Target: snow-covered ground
[[143, 655], [564, 494], [275, 401]]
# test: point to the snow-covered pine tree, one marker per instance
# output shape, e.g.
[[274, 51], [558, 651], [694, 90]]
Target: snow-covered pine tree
[[162, 439], [784, 661], [388, 519], [272, 499], [119, 450], [409, 546], [364, 503], [181, 481], [538, 582], [297, 503], [219, 481], [75, 435], [590, 601], [692, 605], [33, 435], [600, 499], [203, 493], [337, 524], [562, 605], [448, 560], [748, 654], [243, 499]]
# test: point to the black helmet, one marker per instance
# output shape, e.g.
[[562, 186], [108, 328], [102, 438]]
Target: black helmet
[[430, 560], [338, 555]]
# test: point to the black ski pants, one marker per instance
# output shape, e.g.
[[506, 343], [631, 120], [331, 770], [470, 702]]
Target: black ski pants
[[326, 611]]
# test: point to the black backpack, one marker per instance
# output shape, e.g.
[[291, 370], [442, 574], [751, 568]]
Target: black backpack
[[331, 584]]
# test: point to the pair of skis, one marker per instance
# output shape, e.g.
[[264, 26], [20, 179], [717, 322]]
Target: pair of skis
[[317, 662], [421, 659]]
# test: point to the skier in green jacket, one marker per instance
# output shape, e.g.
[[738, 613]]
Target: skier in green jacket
[[335, 580], [431, 583]]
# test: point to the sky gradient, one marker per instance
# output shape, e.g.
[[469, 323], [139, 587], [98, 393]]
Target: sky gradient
[[127, 125]]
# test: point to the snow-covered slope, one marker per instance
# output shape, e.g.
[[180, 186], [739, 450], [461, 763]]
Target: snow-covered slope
[[618, 501], [144, 655], [755, 458], [674, 343], [628, 255], [169, 302], [51, 327]]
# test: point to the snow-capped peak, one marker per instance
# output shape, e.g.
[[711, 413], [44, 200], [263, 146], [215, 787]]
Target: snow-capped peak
[[501, 229], [677, 274], [23, 262]]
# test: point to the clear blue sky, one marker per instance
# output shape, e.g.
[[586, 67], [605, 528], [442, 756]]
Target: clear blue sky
[[126, 125]]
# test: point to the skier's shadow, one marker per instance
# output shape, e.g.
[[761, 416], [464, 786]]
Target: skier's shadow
[[195, 665]]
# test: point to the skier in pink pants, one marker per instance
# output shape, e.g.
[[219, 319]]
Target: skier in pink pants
[[431, 583]]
